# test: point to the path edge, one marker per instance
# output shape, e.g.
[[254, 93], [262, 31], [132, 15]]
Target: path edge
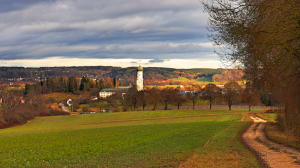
[[256, 154], [280, 143]]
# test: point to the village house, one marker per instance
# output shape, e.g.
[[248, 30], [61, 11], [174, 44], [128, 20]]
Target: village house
[[107, 92]]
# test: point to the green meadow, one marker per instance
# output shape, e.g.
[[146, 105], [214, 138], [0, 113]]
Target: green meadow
[[128, 139]]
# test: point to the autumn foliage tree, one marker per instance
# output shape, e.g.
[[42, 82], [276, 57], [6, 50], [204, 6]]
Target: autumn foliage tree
[[17, 108], [178, 98], [168, 95], [231, 93], [264, 36], [131, 98], [210, 93], [250, 96], [143, 98], [194, 97], [154, 98]]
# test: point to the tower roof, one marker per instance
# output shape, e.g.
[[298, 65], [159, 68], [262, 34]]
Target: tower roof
[[140, 68]]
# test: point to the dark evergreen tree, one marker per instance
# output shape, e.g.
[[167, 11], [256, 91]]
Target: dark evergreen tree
[[28, 89], [84, 84], [72, 84], [62, 86]]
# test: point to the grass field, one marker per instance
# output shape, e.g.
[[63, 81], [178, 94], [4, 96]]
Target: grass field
[[131, 139]]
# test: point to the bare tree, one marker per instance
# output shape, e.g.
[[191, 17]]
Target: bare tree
[[264, 36], [168, 95], [231, 92], [131, 98], [210, 92], [178, 98], [142, 98], [154, 98], [250, 96]]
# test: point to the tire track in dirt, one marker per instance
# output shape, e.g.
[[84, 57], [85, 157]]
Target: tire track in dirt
[[272, 154]]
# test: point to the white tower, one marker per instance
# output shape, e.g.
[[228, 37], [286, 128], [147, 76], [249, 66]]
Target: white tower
[[139, 79]]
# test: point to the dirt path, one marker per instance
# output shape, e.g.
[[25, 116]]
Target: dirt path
[[272, 154]]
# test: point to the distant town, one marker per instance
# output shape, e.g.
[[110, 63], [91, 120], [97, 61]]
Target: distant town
[[19, 76]]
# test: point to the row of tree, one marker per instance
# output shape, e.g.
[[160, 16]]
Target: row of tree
[[69, 84], [18, 106], [232, 93], [264, 36]]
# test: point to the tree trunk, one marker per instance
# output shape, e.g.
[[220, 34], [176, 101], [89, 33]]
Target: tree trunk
[[193, 104], [178, 106], [210, 102], [249, 107], [154, 107], [286, 118], [229, 104], [166, 105]]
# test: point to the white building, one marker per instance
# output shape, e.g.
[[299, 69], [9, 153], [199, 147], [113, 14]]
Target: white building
[[105, 93], [139, 79]]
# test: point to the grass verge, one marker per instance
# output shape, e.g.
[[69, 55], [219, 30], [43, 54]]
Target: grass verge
[[275, 134], [224, 150]]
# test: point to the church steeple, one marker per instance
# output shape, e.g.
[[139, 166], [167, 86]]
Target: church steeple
[[139, 79], [140, 68]]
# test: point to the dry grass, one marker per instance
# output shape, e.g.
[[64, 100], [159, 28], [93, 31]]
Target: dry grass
[[275, 134], [213, 160], [222, 151]]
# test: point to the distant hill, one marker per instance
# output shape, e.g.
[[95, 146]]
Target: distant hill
[[152, 75]]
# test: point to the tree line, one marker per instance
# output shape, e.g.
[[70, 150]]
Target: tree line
[[263, 36], [232, 93], [155, 98], [17, 108], [70, 85]]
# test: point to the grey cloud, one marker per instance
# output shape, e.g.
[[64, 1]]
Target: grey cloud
[[133, 50], [104, 29], [12, 5]]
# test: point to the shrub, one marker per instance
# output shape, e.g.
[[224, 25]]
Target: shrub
[[85, 109]]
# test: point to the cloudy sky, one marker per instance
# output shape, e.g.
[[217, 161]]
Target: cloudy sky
[[169, 33]]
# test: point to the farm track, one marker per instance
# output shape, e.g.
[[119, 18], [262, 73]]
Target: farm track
[[273, 155], [153, 118]]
